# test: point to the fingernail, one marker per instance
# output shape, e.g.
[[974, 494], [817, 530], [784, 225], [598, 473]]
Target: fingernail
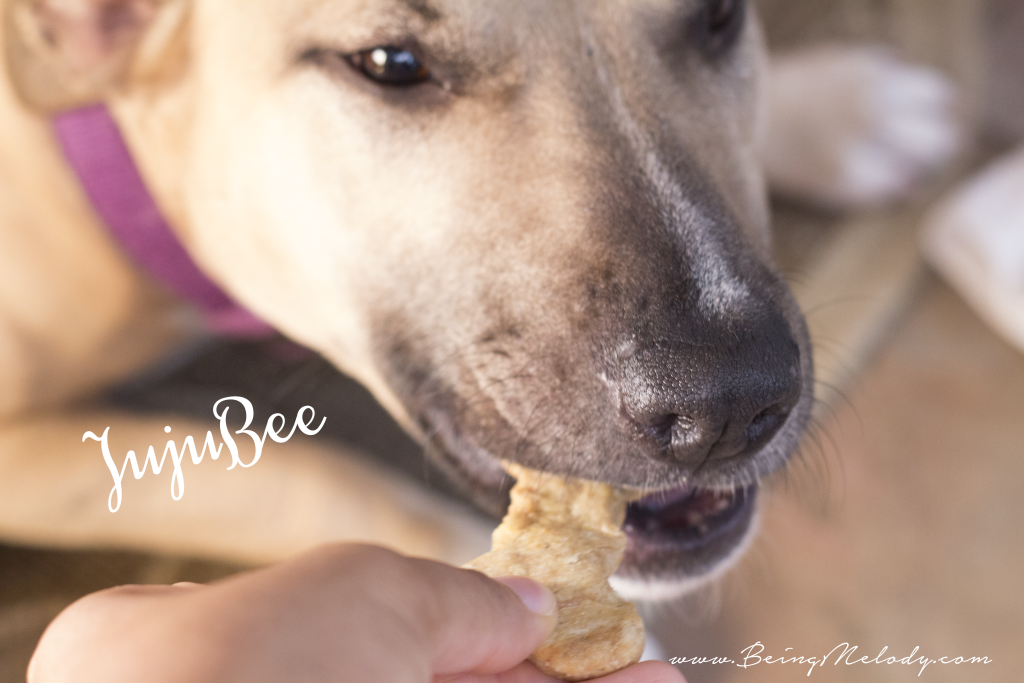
[[537, 598]]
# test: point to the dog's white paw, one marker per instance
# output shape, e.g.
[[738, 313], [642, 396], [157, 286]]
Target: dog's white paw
[[975, 238], [854, 126]]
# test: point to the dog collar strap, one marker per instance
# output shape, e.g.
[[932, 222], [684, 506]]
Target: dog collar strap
[[97, 152]]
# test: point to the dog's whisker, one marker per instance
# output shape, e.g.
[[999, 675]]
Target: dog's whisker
[[526, 430], [843, 397], [572, 454], [809, 476], [810, 313]]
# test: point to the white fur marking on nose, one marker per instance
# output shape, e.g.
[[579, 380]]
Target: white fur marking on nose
[[720, 288]]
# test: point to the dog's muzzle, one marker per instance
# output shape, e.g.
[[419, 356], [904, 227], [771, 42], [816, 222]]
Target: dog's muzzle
[[713, 411]]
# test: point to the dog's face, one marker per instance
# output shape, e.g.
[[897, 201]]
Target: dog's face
[[535, 229]]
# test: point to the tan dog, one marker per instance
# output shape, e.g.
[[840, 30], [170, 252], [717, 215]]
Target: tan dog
[[534, 230]]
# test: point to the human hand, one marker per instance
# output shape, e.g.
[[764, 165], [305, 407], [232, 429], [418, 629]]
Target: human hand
[[339, 613]]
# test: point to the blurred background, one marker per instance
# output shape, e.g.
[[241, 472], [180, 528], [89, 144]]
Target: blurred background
[[899, 526]]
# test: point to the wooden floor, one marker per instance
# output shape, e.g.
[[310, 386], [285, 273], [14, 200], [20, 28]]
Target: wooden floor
[[903, 526]]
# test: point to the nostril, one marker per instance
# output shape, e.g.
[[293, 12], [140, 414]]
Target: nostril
[[661, 428], [764, 426], [668, 429], [679, 436]]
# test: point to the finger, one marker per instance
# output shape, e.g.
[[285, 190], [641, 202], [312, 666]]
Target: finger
[[86, 640], [338, 606], [453, 620], [522, 673], [478, 625], [644, 672]]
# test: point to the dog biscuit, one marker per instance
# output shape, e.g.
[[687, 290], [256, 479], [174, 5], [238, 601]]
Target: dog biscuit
[[567, 535]]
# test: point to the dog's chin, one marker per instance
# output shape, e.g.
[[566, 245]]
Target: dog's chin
[[680, 539]]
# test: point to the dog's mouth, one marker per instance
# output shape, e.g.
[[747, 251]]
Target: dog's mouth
[[685, 531], [677, 538]]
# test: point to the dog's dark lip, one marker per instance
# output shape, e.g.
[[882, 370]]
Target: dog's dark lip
[[683, 531], [697, 526]]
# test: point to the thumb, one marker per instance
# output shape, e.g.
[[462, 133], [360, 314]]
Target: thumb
[[480, 625]]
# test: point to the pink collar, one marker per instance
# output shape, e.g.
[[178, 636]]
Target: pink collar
[[97, 152]]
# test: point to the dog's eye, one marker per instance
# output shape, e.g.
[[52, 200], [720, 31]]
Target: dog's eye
[[390, 66], [721, 22]]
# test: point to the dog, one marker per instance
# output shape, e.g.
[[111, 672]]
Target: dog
[[535, 231]]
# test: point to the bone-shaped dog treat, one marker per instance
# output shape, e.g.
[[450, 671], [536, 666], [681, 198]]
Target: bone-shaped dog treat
[[566, 534]]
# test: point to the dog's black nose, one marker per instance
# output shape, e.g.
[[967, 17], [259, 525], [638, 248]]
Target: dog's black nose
[[701, 398]]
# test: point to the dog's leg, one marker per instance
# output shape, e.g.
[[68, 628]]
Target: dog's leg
[[850, 127], [54, 490]]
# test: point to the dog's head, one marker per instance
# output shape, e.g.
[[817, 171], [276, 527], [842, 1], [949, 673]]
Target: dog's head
[[535, 229]]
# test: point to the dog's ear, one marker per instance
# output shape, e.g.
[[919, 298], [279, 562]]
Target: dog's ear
[[63, 53]]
